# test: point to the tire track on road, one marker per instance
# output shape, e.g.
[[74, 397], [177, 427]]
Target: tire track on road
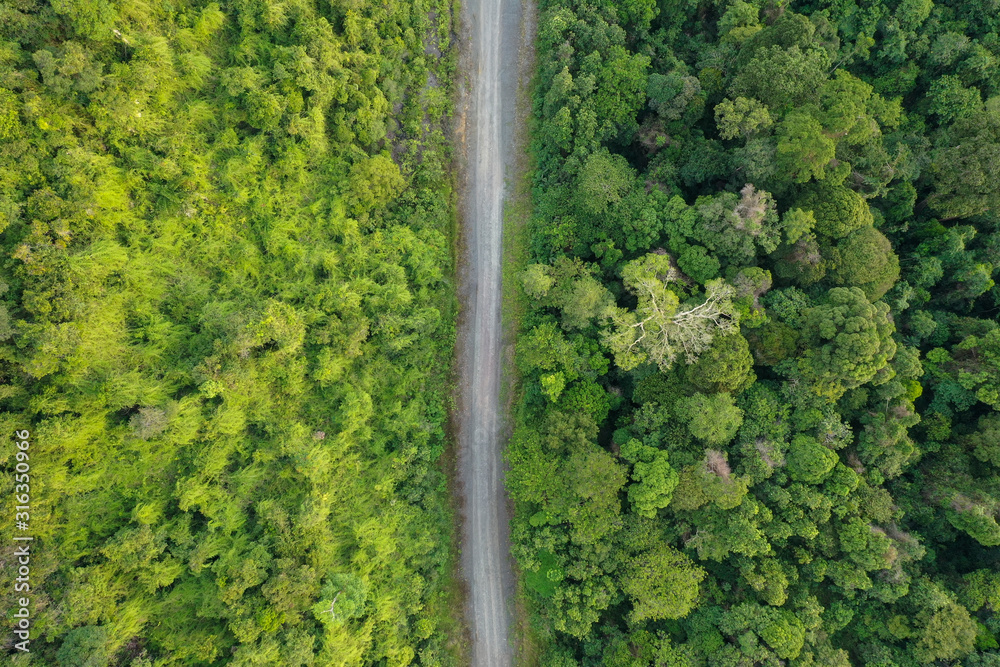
[[493, 29]]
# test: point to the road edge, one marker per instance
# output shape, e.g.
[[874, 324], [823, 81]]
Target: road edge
[[516, 255]]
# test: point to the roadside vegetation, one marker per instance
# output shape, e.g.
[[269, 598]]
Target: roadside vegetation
[[761, 369], [226, 318]]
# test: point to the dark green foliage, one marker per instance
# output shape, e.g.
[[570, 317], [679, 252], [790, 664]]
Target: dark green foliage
[[799, 326], [726, 366]]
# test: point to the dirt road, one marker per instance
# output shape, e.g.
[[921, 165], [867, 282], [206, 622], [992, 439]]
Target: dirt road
[[493, 33]]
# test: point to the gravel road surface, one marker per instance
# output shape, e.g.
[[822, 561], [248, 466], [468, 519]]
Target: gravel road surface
[[493, 41]]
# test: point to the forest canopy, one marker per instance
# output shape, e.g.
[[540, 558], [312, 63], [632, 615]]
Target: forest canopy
[[763, 311], [226, 304]]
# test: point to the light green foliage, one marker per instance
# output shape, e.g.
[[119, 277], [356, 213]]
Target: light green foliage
[[660, 329], [797, 223], [545, 347], [742, 117], [663, 583], [553, 384], [9, 121], [584, 301], [604, 180], [537, 280], [804, 149], [654, 480], [590, 499], [227, 272], [975, 519], [345, 594], [847, 108], [374, 182], [785, 635], [713, 418], [809, 461], [740, 22], [944, 631]]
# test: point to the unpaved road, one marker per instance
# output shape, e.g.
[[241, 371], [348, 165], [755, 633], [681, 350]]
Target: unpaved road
[[493, 42]]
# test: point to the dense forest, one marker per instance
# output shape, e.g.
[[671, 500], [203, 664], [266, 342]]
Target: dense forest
[[760, 372], [226, 318]]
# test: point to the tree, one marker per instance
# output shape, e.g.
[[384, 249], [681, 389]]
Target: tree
[[709, 481], [698, 263], [713, 418], [736, 227], [604, 180], [653, 479], [85, 646], [545, 347], [675, 97], [838, 210], [726, 366], [809, 461], [660, 329], [784, 634], [537, 280], [847, 107], [985, 440], [944, 631], [779, 628], [9, 121], [865, 259], [848, 342], [950, 99], [964, 164], [975, 366], [948, 634], [374, 183], [781, 78], [663, 584], [797, 223], [589, 497], [740, 22], [584, 300], [620, 89], [741, 118], [804, 149]]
